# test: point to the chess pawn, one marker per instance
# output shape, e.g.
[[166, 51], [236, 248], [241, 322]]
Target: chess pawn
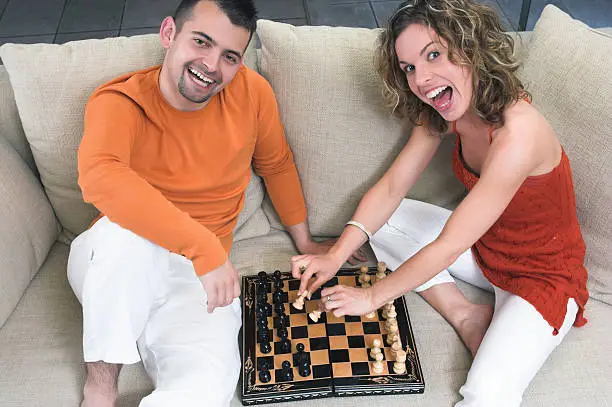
[[399, 367], [371, 315], [393, 335], [378, 366], [381, 271], [365, 280], [364, 272], [375, 348]]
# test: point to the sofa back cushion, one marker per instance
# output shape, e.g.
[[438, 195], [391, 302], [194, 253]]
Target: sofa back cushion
[[52, 84], [10, 124], [567, 69], [28, 227], [342, 136]]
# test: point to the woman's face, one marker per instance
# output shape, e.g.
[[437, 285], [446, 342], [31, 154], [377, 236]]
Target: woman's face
[[432, 77]]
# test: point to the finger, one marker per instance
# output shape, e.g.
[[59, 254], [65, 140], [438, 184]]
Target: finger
[[212, 298], [229, 292], [334, 304], [361, 255], [236, 289], [339, 312], [305, 279], [353, 260], [298, 257], [316, 284], [297, 267], [330, 291]]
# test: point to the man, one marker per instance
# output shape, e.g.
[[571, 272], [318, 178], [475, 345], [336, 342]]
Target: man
[[166, 158]]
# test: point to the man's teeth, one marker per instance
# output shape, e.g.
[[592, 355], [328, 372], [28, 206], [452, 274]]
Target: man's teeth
[[436, 92], [200, 76]]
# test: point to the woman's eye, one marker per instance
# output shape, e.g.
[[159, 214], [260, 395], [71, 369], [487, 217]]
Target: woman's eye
[[433, 55], [408, 68]]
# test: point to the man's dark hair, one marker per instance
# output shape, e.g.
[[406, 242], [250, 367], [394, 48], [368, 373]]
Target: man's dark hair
[[241, 13]]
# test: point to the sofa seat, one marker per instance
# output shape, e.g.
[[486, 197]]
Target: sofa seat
[[41, 360]]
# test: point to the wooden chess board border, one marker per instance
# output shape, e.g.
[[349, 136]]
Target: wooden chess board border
[[252, 393]]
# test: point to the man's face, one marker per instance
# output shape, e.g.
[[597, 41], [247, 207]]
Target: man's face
[[204, 56]]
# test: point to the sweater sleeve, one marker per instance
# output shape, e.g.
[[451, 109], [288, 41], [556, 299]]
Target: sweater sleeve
[[273, 159], [112, 122]]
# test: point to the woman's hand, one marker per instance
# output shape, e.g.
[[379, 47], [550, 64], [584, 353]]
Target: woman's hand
[[304, 267], [343, 300]]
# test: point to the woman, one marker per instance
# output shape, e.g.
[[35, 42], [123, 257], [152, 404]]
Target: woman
[[448, 67]]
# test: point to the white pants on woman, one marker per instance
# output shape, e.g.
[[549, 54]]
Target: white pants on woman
[[141, 302], [518, 340]]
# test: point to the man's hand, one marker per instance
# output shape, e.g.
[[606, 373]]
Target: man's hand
[[312, 247], [221, 286]]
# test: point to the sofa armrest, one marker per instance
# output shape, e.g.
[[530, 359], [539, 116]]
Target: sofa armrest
[[28, 227]]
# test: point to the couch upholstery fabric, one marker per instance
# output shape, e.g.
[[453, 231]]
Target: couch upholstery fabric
[[568, 73], [342, 136]]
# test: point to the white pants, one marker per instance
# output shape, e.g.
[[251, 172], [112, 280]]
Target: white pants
[[141, 302], [518, 340]]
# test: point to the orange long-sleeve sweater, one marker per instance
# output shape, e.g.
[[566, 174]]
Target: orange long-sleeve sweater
[[179, 178]]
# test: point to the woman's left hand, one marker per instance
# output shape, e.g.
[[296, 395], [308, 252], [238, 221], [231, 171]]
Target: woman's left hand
[[343, 300]]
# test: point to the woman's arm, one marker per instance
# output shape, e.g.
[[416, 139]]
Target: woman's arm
[[375, 208], [511, 158]]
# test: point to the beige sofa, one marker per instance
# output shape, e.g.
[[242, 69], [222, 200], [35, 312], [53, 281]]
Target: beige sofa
[[343, 140]]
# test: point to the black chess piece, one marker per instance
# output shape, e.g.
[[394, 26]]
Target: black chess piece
[[278, 284], [277, 296], [304, 369], [265, 347], [277, 275], [263, 276], [285, 343], [283, 320], [279, 307], [264, 373], [287, 372]]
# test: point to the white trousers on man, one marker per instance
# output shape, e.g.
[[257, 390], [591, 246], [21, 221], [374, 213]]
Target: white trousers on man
[[518, 341], [141, 302]]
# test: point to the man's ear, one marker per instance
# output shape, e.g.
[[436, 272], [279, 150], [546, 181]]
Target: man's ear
[[167, 32]]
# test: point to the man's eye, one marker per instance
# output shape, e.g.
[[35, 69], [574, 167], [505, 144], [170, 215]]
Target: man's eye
[[232, 59], [200, 41], [433, 55]]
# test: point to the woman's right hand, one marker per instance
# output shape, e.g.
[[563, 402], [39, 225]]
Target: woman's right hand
[[305, 266]]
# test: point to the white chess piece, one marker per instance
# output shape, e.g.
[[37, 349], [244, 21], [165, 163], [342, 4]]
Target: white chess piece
[[399, 367], [378, 366], [375, 348], [315, 315]]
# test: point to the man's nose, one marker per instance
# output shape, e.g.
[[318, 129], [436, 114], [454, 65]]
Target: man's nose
[[211, 60]]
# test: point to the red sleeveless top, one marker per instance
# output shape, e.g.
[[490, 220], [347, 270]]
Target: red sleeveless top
[[535, 249]]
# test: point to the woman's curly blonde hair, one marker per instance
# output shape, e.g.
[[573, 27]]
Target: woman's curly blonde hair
[[475, 38]]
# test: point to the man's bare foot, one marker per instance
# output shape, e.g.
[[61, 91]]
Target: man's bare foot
[[97, 398], [100, 388], [474, 325]]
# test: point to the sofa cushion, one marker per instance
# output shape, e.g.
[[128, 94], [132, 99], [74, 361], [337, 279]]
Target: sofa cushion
[[28, 227], [41, 347], [568, 72], [67, 75], [341, 135], [10, 124]]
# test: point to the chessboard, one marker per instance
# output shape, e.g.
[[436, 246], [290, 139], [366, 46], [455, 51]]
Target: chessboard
[[288, 356]]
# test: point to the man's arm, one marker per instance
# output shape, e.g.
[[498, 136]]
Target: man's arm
[[112, 121]]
